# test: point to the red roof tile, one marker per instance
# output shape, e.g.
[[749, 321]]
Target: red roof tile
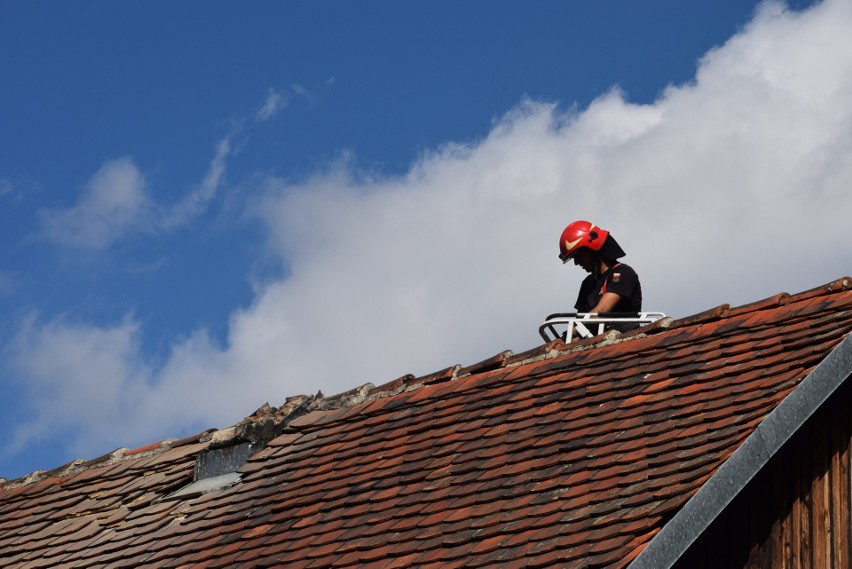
[[566, 454]]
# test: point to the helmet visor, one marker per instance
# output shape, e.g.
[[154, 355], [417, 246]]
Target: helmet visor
[[566, 257]]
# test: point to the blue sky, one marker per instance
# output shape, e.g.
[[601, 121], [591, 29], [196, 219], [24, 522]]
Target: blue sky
[[163, 84], [206, 206]]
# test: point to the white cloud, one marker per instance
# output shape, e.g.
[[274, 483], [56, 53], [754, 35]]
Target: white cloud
[[728, 189], [72, 371], [5, 187], [276, 100], [112, 204], [199, 198], [274, 103]]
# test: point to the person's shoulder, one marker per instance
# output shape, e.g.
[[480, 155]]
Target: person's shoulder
[[623, 269], [623, 275]]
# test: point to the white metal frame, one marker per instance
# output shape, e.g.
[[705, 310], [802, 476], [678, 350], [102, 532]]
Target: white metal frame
[[584, 322]]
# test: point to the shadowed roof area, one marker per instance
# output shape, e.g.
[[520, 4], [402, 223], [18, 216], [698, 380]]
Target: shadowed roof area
[[571, 454]]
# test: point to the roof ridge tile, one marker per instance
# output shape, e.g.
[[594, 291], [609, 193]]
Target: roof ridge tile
[[441, 376], [392, 387], [770, 302], [489, 364], [655, 327], [149, 449], [838, 285], [701, 317], [535, 354]]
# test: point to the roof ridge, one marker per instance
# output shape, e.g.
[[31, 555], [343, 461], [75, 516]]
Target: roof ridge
[[267, 422], [557, 348], [76, 466]]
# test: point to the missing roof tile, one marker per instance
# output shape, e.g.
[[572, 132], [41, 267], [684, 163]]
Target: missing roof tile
[[221, 461], [216, 469]]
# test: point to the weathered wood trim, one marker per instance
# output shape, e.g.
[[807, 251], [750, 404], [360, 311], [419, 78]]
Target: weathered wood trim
[[841, 483]]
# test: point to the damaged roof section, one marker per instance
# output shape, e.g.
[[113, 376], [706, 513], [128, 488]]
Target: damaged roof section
[[562, 455]]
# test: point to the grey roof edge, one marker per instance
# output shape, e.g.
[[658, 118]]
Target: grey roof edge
[[779, 426]]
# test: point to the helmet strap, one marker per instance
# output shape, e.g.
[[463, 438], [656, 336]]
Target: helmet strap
[[601, 264]]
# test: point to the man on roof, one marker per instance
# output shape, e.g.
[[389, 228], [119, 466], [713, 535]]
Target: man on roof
[[611, 286]]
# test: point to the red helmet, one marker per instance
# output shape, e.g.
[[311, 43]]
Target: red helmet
[[585, 234]]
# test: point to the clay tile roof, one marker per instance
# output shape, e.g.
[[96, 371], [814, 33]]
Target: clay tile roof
[[577, 454]]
